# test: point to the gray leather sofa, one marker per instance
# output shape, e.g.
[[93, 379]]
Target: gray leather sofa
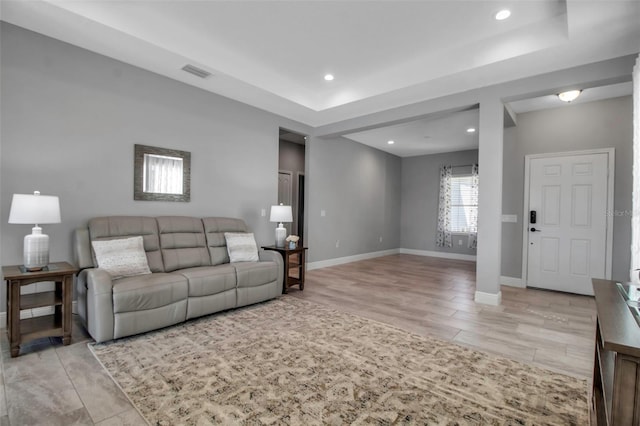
[[191, 274]]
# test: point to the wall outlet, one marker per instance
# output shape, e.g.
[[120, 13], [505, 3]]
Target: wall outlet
[[380, 239], [337, 243], [263, 212], [323, 213]]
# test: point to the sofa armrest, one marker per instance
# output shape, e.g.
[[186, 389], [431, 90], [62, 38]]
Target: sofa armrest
[[82, 248], [98, 286], [273, 256]]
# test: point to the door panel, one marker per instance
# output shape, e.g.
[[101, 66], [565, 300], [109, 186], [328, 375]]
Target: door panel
[[580, 206], [551, 205], [550, 253], [580, 255], [569, 244]]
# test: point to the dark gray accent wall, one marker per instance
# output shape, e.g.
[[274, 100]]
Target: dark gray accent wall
[[70, 119], [599, 124], [291, 159], [420, 194], [358, 188]]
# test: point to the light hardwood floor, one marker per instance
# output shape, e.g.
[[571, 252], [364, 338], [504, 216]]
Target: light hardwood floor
[[431, 296], [51, 384]]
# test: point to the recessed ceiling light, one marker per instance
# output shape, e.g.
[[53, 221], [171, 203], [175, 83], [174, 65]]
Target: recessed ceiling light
[[569, 96], [471, 130], [391, 142], [503, 14], [328, 77]]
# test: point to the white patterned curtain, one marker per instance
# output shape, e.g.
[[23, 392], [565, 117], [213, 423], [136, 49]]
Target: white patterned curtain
[[472, 241], [635, 217], [443, 237], [162, 174]]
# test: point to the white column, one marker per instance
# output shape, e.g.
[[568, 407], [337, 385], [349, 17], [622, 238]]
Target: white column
[[489, 202]]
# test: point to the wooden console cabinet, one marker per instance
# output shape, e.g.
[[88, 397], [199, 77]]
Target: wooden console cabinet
[[616, 371]]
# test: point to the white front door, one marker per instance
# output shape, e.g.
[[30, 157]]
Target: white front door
[[567, 244]]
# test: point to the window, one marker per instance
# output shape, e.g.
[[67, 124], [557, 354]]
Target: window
[[464, 204], [457, 206]]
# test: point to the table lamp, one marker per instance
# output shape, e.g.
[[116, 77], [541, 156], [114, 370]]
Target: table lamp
[[281, 214], [35, 209]]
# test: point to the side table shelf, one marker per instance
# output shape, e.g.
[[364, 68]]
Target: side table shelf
[[290, 280], [56, 324]]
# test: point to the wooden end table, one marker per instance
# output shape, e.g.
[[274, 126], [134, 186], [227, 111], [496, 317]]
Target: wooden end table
[[57, 324], [291, 280]]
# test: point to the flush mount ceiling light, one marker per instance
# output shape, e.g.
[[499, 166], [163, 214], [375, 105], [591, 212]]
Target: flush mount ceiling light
[[569, 96], [391, 142], [328, 77], [502, 14], [471, 130]]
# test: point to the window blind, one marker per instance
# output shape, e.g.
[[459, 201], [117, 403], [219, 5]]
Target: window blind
[[464, 204]]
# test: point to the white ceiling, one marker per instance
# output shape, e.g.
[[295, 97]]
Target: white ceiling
[[448, 132], [384, 54], [427, 136]]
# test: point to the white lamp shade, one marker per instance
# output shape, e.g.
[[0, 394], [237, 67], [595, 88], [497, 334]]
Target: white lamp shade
[[34, 209], [281, 214]]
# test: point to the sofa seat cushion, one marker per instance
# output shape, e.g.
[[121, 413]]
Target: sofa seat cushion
[[207, 280], [151, 291], [253, 274]]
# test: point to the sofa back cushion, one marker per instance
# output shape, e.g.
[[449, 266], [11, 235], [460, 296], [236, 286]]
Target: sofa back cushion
[[215, 227], [182, 242], [113, 227]]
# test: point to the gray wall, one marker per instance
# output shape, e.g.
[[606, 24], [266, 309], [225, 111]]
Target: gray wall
[[420, 193], [599, 124], [358, 187], [70, 119]]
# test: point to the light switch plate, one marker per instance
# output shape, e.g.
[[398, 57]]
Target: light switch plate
[[510, 218]]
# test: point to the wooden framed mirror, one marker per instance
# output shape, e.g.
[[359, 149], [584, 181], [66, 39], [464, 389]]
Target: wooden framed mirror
[[161, 174]]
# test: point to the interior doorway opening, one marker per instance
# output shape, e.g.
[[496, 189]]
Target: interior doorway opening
[[291, 173]]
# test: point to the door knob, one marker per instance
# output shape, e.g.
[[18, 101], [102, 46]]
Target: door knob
[[535, 230]]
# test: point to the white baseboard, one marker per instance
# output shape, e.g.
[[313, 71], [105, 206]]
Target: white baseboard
[[493, 299], [348, 259], [442, 254], [512, 282], [36, 312]]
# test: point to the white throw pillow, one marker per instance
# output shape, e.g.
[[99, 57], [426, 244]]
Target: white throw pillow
[[123, 257], [241, 247]]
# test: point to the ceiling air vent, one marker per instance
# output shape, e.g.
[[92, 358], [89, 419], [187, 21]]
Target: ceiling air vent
[[196, 71]]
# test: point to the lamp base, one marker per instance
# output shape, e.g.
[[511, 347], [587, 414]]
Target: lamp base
[[281, 235], [36, 250]]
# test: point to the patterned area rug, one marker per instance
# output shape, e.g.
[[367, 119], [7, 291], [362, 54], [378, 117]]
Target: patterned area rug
[[289, 361]]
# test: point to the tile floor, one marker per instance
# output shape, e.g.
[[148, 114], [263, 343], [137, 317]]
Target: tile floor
[[52, 384]]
